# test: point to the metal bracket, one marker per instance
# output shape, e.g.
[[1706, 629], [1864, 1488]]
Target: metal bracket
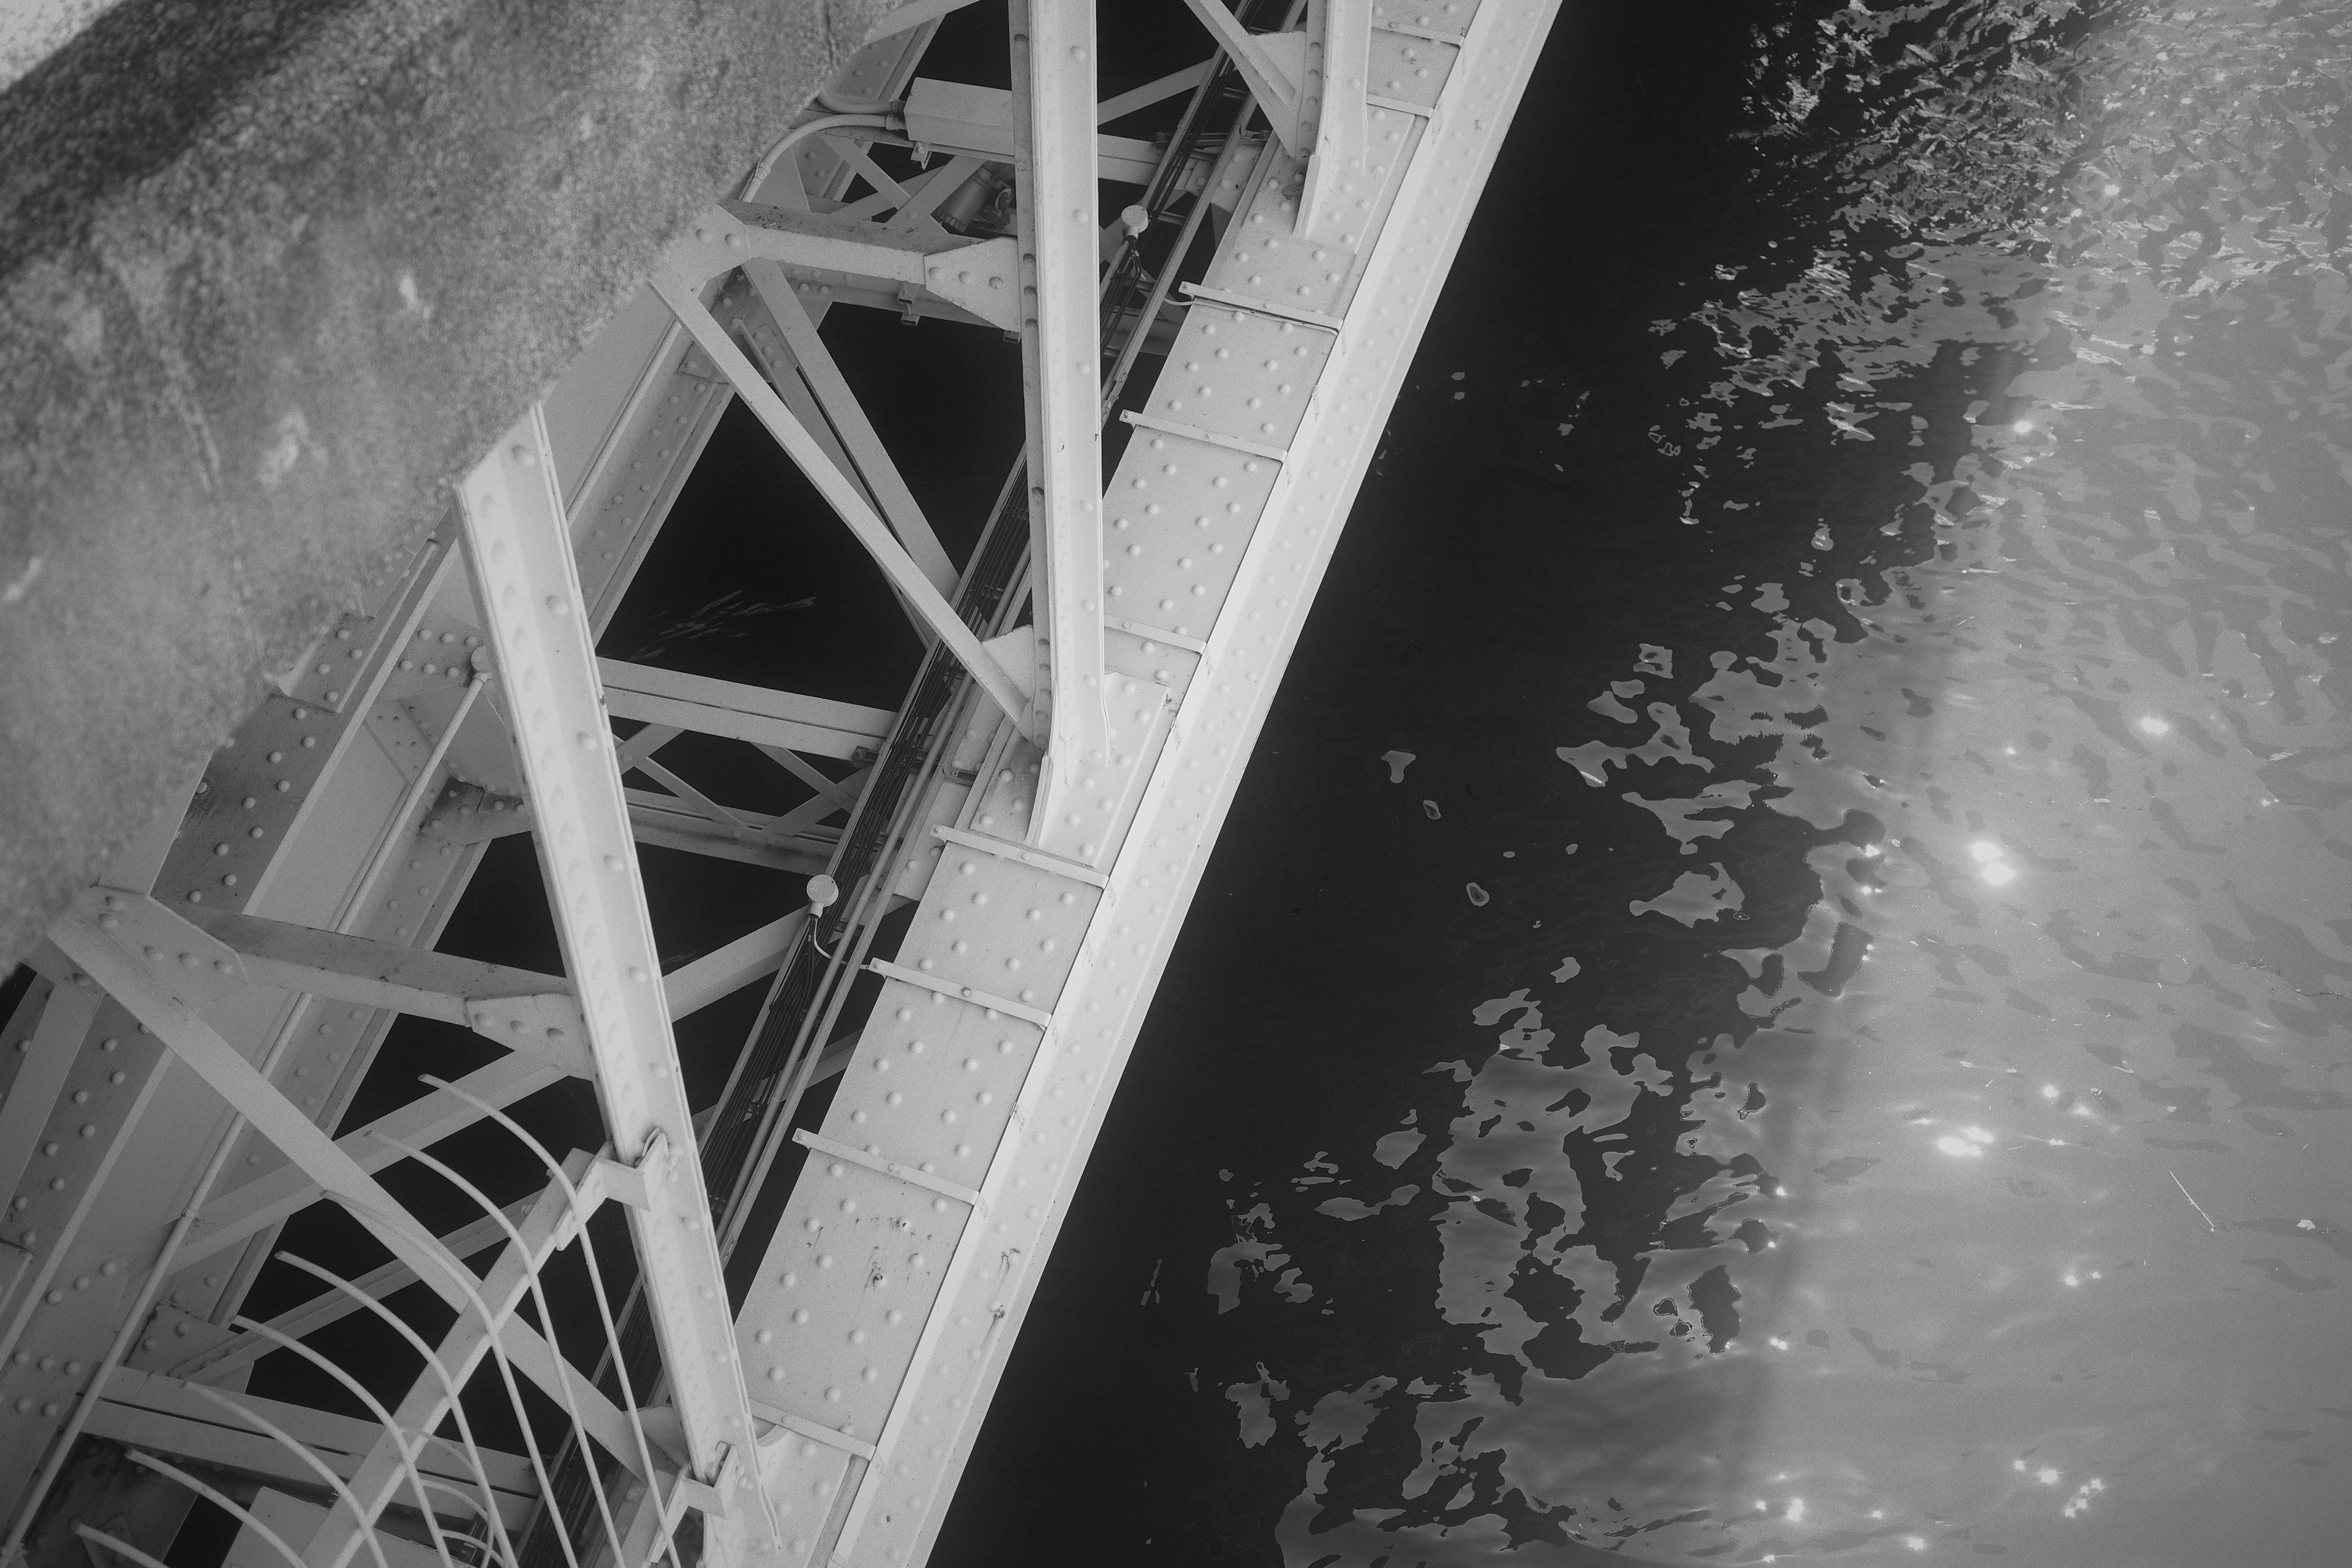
[[632, 1183], [906, 1174], [800, 1425], [1207, 437], [978, 998], [1038, 858], [1233, 302]]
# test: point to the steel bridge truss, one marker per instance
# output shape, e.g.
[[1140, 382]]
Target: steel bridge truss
[[178, 1073]]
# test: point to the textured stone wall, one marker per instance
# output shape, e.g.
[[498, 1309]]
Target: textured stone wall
[[271, 274]]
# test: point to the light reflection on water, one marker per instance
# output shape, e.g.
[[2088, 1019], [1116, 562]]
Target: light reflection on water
[[1995, 1217]]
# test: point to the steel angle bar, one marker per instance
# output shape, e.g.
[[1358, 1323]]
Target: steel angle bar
[[216, 1363], [792, 842], [850, 427], [48, 1057], [195, 1043], [672, 824], [973, 275], [438, 1115], [755, 955], [1273, 64], [229, 1219], [839, 794], [534, 1014], [1153, 92], [977, 121], [530, 587], [758, 714], [913, 14], [703, 806], [552, 1223], [839, 491], [173, 1417], [948, 177], [1332, 114], [1244, 304], [1061, 371], [652, 737], [1251, 618]]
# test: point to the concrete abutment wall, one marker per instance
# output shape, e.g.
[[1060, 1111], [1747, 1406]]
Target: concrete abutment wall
[[272, 274]]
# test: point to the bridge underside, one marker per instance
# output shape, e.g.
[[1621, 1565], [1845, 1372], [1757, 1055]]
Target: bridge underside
[[270, 276], [636, 1047]]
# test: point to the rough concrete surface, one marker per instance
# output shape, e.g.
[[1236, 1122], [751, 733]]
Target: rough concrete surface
[[272, 274]]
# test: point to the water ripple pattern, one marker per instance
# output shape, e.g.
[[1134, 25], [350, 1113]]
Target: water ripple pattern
[[1906, 1119]]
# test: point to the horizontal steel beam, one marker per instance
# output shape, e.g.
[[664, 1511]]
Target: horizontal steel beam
[[848, 502], [228, 1220], [523, 1011], [755, 713], [752, 957], [1050, 116], [216, 1363], [468, 814], [519, 544], [671, 824], [955, 117], [322, 1161], [972, 275], [167, 1415]]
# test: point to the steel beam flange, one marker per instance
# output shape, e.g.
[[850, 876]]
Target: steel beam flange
[[528, 585]]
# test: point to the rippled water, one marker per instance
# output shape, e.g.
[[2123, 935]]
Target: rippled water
[[1780, 988]]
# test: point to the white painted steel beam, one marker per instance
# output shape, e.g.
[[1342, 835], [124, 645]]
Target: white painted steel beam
[[166, 1415], [762, 841], [383, 1464], [755, 713], [533, 1014], [195, 1043], [839, 491], [847, 417], [1053, 71], [958, 118], [913, 14], [974, 275], [792, 842], [287, 817], [48, 1057], [1144, 97], [1273, 64], [233, 1217], [1004, 1028], [218, 1363], [755, 955], [1332, 113], [259, 1204], [521, 551]]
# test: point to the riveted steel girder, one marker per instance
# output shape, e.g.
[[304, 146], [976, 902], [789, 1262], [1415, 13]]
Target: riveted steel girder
[[519, 547]]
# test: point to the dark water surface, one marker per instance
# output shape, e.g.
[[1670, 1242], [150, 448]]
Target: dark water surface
[[1776, 990]]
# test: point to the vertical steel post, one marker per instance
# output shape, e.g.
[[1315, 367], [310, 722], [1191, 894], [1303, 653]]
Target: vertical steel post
[[1061, 373], [519, 547]]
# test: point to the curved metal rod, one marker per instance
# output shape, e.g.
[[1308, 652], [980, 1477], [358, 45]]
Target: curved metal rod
[[588, 1255], [806, 129], [300, 1451], [121, 1547], [392, 1428], [486, 1514], [471, 1448], [219, 1500], [463, 1279], [563, 1371]]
